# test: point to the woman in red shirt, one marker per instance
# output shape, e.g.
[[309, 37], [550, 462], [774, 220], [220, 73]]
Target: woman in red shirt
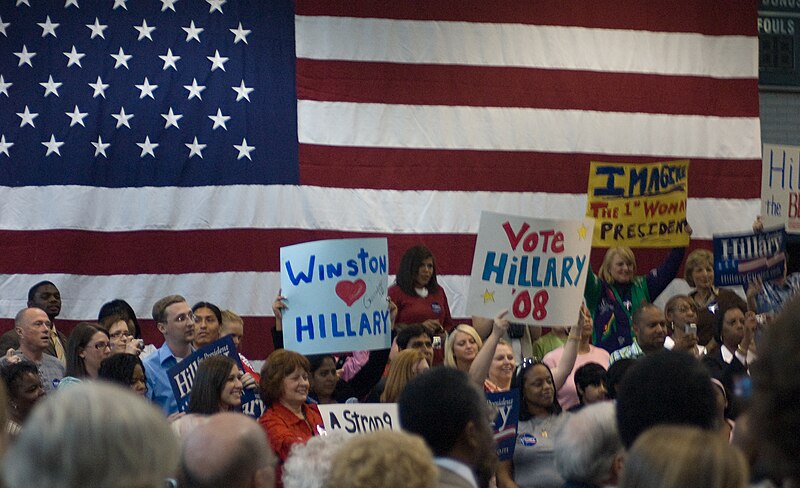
[[289, 420], [419, 298]]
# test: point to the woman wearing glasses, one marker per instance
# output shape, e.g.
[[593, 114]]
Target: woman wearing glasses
[[120, 336], [87, 347]]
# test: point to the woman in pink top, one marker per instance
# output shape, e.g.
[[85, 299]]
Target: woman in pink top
[[587, 353]]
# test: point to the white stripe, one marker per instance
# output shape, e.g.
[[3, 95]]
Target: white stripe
[[84, 295], [532, 46], [304, 207], [527, 129], [248, 294]]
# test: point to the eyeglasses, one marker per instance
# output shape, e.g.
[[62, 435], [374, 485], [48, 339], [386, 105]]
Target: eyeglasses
[[184, 317], [117, 335], [101, 345]]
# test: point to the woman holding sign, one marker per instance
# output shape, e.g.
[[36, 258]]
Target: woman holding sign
[[217, 388], [617, 292]]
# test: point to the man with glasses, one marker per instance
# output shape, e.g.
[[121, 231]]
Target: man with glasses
[[175, 320], [33, 327]]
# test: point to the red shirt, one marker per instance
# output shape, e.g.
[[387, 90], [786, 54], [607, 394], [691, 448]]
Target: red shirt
[[415, 309], [286, 429]]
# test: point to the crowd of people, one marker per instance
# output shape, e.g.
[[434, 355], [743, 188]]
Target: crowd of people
[[700, 393]]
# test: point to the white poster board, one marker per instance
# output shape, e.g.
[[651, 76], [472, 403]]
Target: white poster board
[[535, 268]]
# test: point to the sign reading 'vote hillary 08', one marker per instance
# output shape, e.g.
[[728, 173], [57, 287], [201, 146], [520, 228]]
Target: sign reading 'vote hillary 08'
[[534, 268], [335, 294]]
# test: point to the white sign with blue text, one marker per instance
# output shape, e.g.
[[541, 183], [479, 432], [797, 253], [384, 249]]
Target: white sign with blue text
[[534, 268], [335, 294]]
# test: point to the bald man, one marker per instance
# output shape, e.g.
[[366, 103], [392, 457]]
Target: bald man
[[230, 450]]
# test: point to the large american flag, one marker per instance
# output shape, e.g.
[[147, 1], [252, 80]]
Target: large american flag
[[150, 147]]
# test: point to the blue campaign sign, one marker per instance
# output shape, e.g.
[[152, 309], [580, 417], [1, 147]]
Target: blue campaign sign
[[739, 258], [505, 423], [181, 376], [335, 294]]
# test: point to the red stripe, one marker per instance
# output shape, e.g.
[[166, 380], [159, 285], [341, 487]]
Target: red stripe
[[212, 251], [206, 251], [711, 17], [479, 86], [418, 169]]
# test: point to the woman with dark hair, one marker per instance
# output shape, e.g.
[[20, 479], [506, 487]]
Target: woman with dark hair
[[417, 294], [682, 315], [87, 347], [590, 385], [120, 335], [734, 328], [216, 388], [126, 370], [207, 322], [289, 420], [24, 388], [534, 460], [122, 309], [324, 383]]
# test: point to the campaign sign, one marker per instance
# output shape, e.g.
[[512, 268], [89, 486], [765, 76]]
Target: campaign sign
[[505, 424], [181, 376], [738, 258], [359, 418], [639, 205], [780, 187], [336, 296], [534, 268]]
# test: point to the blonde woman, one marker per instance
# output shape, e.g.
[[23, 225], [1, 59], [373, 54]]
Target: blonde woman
[[615, 292], [699, 273], [461, 347], [671, 456]]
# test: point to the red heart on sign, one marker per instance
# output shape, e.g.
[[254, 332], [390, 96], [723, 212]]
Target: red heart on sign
[[350, 291]]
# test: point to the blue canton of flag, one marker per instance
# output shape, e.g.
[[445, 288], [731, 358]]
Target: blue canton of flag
[[133, 93]]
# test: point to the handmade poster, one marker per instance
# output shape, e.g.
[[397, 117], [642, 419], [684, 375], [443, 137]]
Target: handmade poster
[[639, 205], [360, 418], [336, 296], [780, 187], [505, 424], [738, 258], [181, 376], [534, 268]]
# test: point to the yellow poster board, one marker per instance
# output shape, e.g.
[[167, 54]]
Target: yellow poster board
[[639, 205]]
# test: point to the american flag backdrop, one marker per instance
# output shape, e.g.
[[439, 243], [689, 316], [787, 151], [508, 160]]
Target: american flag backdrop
[[150, 147]]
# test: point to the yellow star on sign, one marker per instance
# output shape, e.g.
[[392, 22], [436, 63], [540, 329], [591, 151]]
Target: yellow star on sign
[[582, 232], [488, 296]]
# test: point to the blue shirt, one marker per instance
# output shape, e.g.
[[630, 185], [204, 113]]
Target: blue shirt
[[159, 389]]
